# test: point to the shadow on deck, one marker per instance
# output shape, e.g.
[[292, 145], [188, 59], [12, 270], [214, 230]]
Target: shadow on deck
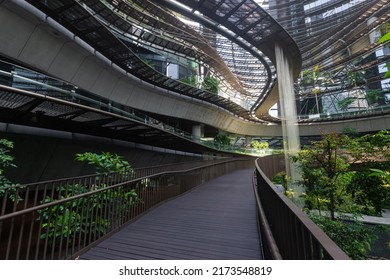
[[216, 220]]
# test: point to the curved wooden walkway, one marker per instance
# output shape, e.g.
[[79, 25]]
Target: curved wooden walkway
[[216, 220]]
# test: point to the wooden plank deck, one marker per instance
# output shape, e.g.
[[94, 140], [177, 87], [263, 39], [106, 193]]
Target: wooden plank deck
[[216, 220]]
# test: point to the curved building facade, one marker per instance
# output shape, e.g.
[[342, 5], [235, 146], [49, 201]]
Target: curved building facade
[[208, 63]]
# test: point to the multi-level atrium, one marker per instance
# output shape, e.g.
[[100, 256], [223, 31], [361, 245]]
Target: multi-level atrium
[[221, 53], [343, 63]]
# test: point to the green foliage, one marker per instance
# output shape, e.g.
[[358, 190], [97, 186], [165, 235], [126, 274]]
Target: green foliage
[[60, 221], [281, 178], [105, 162], [309, 78], [354, 76], [344, 104], [350, 132], [191, 80], [384, 38], [352, 237], [380, 173], [335, 185], [210, 84], [222, 139], [259, 145], [371, 147], [329, 182], [385, 28], [85, 215], [374, 95], [321, 166], [372, 192], [6, 161]]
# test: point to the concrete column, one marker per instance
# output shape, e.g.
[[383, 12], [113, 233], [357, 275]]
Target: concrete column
[[248, 141], [197, 131]]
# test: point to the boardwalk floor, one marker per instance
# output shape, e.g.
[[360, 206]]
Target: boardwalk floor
[[216, 220]]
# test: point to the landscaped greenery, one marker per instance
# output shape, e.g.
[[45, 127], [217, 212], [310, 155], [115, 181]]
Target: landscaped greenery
[[344, 178], [259, 145], [105, 162], [210, 84], [77, 216], [222, 140], [191, 80]]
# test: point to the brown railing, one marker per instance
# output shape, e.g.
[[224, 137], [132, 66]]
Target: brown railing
[[59, 219], [286, 231]]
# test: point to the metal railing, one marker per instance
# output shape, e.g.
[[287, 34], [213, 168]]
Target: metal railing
[[60, 219], [286, 231], [29, 81]]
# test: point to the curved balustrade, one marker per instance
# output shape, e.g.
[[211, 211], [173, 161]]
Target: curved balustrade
[[286, 231]]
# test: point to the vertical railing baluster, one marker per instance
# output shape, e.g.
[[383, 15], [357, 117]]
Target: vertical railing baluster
[[30, 234]]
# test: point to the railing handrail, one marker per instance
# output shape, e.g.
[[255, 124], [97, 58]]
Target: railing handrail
[[327, 244], [63, 225], [90, 192], [266, 229], [24, 185]]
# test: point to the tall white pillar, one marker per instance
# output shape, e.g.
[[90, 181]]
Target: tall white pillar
[[197, 131]]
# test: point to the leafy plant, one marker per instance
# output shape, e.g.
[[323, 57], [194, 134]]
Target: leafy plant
[[352, 237], [335, 184], [345, 103], [385, 28], [374, 95], [282, 179], [210, 84], [6, 161], [105, 162], [350, 131], [85, 215], [372, 192], [259, 145], [355, 76], [311, 80], [322, 164], [191, 80], [222, 139]]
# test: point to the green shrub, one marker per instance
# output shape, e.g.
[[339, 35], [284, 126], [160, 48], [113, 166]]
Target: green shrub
[[222, 139], [352, 237], [105, 162], [84, 215], [96, 213]]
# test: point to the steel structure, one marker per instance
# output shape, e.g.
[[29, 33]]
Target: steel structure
[[337, 37], [233, 39]]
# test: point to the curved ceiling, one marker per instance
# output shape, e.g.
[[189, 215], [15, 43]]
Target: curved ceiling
[[234, 39]]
